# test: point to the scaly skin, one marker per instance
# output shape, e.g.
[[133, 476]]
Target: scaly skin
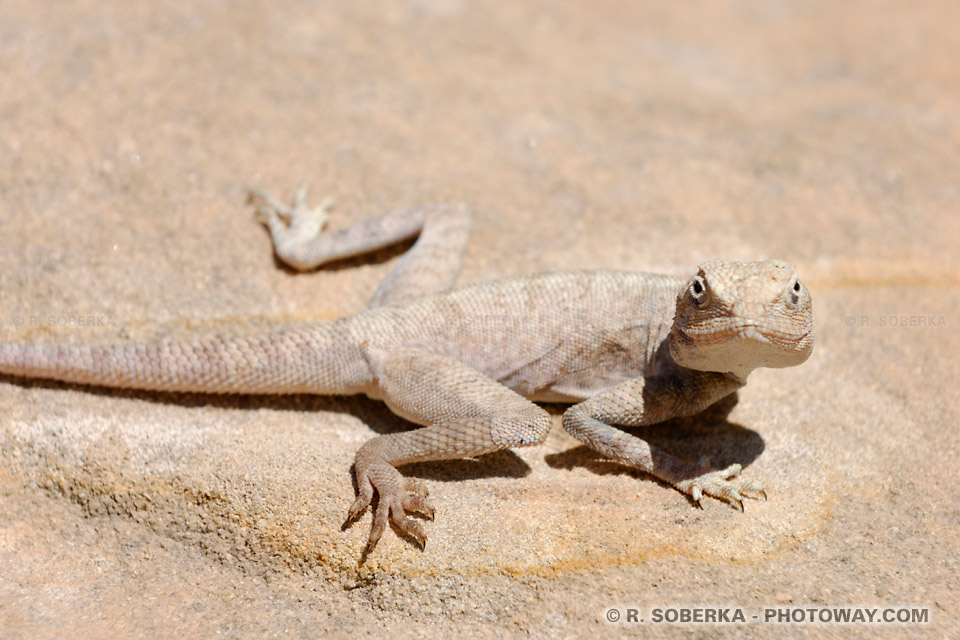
[[626, 348]]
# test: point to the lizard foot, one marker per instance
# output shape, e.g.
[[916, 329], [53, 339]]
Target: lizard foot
[[718, 484], [294, 224], [397, 496]]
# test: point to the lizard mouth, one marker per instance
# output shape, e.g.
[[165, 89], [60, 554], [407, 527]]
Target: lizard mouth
[[747, 331]]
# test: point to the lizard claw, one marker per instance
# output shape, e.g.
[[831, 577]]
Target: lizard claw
[[359, 506], [720, 484], [696, 493]]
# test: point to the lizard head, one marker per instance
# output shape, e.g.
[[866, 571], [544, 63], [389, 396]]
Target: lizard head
[[737, 316]]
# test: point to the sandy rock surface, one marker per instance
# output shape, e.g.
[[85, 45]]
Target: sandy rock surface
[[603, 134]]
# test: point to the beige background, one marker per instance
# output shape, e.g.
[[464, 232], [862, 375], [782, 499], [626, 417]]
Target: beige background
[[602, 134]]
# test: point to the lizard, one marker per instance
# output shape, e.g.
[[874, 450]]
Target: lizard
[[468, 364]]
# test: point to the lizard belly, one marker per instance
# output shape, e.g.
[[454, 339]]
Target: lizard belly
[[571, 381], [582, 385]]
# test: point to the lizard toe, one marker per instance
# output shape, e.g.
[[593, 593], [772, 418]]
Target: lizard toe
[[392, 509], [267, 207], [751, 489], [364, 498], [416, 504], [731, 471], [416, 499], [417, 487], [408, 527], [380, 517], [359, 506]]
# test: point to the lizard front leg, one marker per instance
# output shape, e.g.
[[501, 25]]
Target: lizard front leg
[[465, 414], [640, 402]]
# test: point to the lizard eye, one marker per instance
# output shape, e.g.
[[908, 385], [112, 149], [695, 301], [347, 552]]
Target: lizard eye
[[795, 293], [698, 291]]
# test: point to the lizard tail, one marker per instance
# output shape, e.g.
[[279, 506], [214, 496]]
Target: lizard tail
[[285, 362]]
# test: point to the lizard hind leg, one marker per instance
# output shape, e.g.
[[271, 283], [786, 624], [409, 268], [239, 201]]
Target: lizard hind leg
[[465, 414], [430, 266]]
